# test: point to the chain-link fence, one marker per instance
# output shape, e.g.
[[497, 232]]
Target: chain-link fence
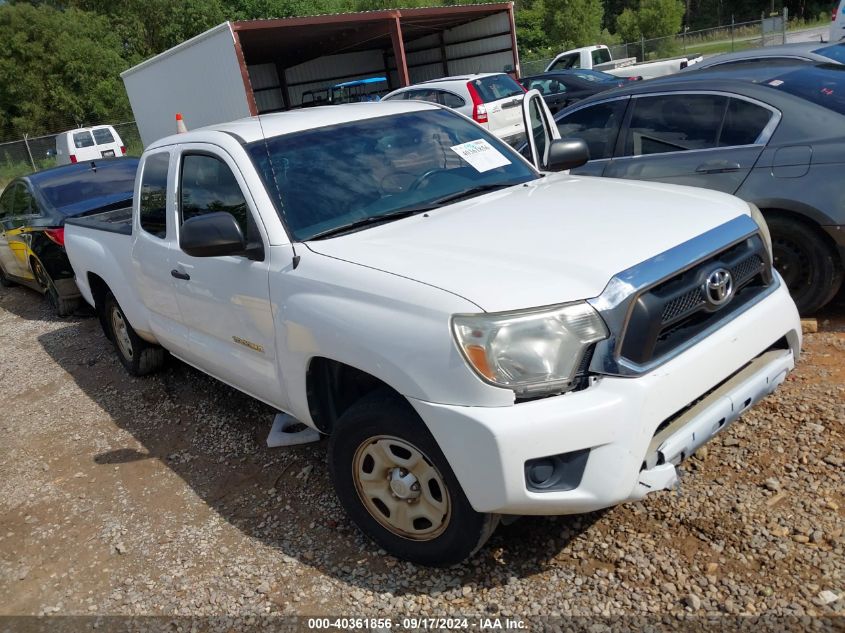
[[34, 153], [736, 36]]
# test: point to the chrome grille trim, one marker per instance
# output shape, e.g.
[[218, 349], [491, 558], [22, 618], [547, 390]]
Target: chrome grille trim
[[616, 301]]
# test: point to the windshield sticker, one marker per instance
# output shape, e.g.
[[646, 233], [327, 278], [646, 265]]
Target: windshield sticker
[[481, 155], [775, 82]]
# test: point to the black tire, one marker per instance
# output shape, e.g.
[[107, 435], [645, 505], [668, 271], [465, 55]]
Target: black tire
[[137, 356], [810, 267], [62, 306], [5, 281], [385, 413]]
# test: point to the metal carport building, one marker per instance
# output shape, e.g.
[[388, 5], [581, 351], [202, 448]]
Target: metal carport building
[[250, 67]]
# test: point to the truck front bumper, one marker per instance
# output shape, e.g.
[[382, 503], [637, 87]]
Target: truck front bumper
[[620, 438]]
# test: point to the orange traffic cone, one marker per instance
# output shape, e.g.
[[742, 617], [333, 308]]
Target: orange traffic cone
[[180, 124]]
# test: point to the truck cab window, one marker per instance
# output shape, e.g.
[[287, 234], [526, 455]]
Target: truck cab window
[[209, 186], [153, 207], [568, 61], [600, 56]]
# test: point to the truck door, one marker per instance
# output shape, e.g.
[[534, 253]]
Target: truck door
[[698, 139], [154, 234], [540, 127], [225, 301]]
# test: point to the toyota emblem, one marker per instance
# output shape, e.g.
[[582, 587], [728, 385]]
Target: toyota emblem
[[719, 287]]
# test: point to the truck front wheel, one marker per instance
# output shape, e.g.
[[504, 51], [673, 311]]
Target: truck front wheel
[[138, 357], [396, 485]]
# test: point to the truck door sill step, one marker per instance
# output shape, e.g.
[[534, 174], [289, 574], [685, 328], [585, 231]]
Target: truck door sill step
[[281, 434]]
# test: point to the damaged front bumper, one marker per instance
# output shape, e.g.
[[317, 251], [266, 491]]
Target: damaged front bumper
[[622, 437], [682, 436]]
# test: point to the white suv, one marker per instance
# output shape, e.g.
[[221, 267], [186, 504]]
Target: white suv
[[492, 100]]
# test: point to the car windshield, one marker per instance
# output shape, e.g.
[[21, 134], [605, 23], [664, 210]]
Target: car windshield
[[75, 191], [823, 85], [836, 52], [352, 173]]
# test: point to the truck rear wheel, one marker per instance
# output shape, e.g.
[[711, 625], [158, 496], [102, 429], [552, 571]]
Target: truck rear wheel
[[138, 357], [396, 485]]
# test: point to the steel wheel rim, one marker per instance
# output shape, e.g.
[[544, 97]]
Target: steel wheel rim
[[121, 333], [401, 488], [791, 261]]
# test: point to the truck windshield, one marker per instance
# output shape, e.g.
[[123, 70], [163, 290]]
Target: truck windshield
[[336, 176]]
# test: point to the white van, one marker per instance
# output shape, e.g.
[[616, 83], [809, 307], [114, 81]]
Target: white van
[[88, 143], [837, 21]]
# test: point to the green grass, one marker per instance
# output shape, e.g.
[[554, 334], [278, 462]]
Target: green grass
[[713, 48], [745, 38], [9, 170]]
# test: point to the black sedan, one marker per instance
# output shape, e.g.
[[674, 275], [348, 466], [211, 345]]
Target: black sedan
[[774, 136], [33, 210], [564, 87]]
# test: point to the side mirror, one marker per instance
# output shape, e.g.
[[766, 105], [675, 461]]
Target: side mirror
[[212, 235], [567, 154]]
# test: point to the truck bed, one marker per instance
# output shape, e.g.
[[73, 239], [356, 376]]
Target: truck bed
[[114, 221]]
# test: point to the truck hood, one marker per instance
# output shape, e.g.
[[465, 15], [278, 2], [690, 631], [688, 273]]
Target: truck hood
[[560, 238]]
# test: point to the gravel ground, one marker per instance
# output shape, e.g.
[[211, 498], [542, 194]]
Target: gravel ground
[[158, 496]]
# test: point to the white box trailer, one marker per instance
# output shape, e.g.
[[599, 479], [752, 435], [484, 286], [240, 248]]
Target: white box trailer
[[246, 68]]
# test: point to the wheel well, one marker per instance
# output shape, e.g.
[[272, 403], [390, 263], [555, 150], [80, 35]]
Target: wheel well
[[99, 290], [332, 387], [807, 222]]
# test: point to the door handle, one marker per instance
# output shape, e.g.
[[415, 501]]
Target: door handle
[[179, 275], [717, 167], [511, 104]]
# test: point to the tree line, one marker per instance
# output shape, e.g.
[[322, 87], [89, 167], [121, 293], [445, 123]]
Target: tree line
[[61, 59]]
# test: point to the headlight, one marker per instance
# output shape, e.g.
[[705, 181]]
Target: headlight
[[530, 351], [757, 216]]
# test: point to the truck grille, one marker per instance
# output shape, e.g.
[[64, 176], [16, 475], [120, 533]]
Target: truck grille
[[674, 311]]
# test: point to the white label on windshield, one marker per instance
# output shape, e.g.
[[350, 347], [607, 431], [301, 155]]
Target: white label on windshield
[[481, 155], [775, 82]]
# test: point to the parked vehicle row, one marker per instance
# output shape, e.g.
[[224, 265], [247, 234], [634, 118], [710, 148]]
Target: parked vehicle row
[[774, 136], [493, 100], [563, 88], [33, 211], [397, 277]]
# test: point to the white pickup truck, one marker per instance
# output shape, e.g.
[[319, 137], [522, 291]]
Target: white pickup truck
[[599, 57], [476, 335]]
